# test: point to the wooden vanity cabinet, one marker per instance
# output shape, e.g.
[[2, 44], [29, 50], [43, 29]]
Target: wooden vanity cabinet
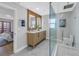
[[40, 36], [35, 38], [32, 38]]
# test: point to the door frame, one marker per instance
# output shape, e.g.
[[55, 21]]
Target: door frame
[[14, 23]]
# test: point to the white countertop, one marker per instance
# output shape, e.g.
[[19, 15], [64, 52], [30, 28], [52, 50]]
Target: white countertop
[[35, 31]]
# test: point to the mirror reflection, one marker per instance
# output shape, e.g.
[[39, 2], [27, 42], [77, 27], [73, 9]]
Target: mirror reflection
[[32, 22]]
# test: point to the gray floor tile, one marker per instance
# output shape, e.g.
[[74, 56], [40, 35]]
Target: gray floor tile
[[41, 49]]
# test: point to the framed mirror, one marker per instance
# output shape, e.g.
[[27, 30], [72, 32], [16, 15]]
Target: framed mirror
[[31, 20], [34, 20]]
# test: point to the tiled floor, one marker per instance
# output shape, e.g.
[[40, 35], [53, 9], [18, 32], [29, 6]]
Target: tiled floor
[[41, 50], [63, 50]]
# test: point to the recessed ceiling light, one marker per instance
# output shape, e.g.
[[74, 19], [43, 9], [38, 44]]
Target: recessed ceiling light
[[37, 8]]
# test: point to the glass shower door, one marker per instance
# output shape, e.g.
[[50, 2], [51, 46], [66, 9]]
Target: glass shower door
[[52, 29]]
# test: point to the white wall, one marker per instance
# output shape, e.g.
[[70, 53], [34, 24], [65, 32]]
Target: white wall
[[20, 39], [45, 24], [65, 30], [75, 24]]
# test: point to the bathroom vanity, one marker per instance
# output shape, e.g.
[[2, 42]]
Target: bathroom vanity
[[35, 33], [35, 37]]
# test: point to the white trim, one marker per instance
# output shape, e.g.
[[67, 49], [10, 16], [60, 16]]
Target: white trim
[[20, 49]]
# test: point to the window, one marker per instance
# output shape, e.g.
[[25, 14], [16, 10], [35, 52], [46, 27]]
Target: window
[[0, 27], [5, 26], [52, 23]]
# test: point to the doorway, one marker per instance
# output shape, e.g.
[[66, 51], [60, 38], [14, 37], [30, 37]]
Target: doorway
[[7, 16]]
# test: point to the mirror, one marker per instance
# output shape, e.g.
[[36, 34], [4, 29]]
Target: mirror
[[39, 22], [32, 22]]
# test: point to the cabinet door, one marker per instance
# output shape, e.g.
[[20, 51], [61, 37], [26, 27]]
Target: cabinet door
[[30, 39], [40, 36], [44, 34], [35, 38]]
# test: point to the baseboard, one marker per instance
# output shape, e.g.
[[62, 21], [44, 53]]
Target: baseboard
[[20, 49]]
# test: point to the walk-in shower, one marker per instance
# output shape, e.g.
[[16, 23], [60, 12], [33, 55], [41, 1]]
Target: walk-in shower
[[52, 29]]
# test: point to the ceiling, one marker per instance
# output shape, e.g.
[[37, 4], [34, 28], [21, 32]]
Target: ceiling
[[42, 8], [59, 7]]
